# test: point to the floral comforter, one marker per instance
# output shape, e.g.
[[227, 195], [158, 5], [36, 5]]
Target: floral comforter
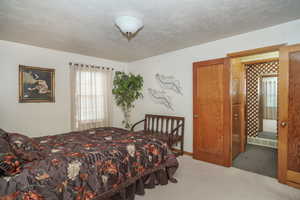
[[92, 164]]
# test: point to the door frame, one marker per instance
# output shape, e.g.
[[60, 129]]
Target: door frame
[[227, 140], [244, 53], [261, 50]]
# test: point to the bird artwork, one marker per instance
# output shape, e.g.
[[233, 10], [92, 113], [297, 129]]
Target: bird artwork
[[160, 97], [169, 83]]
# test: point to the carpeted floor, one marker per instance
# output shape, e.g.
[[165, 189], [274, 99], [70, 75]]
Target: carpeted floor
[[204, 181], [258, 159], [267, 135]]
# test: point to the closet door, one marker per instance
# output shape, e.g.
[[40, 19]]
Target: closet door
[[212, 136], [289, 116]]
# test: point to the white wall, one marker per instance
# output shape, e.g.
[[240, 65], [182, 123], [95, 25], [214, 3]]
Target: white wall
[[179, 64], [38, 119], [270, 125]]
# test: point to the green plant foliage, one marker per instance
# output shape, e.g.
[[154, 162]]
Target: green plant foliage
[[127, 88]]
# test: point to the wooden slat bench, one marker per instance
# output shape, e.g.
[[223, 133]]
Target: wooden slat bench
[[169, 129]]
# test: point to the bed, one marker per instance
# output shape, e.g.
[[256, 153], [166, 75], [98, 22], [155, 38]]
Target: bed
[[103, 163]]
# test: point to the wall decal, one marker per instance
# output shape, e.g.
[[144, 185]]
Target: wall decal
[[36, 84], [160, 97], [169, 83]]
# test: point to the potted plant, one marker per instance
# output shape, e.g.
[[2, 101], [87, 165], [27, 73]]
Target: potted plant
[[127, 88]]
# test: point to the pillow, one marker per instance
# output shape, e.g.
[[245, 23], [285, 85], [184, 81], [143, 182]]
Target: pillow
[[23, 147], [9, 163]]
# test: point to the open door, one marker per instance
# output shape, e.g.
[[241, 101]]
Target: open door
[[212, 113], [289, 116], [238, 96]]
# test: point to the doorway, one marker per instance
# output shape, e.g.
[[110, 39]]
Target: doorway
[[257, 79], [268, 108], [220, 132]]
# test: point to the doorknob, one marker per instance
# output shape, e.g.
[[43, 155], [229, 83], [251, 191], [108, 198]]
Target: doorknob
[[195, 116], [283, 124]]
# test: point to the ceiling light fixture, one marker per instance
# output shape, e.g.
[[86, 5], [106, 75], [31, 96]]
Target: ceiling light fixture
[[129, 26]]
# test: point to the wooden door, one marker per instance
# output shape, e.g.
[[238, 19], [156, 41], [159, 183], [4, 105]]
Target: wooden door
[[212, 114], [236, 131], [238, 94], [289, 116]]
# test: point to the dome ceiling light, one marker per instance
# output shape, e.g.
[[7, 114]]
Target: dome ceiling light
[[129, 26]]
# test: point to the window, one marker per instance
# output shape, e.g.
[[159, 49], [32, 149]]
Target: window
[[91, 97], [269, 95]]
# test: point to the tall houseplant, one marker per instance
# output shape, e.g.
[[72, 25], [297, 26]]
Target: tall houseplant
[[127, 88]]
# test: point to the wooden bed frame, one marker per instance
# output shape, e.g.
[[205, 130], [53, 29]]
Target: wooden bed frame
[[169, 129]]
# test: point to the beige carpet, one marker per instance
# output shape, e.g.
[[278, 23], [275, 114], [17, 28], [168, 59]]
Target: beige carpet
[[203, 181]]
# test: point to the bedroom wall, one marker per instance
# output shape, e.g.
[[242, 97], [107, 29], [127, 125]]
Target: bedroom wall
[[179, 64], [37, 119]]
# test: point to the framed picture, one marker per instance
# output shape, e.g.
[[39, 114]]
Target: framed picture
[[36, 84]]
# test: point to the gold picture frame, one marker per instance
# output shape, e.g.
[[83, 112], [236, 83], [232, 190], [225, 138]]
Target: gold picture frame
[[36, 84]]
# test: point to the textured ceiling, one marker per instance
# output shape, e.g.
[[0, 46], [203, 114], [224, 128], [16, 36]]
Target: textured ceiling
[[87, 26]]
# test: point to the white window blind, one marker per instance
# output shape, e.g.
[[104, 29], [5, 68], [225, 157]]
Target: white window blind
[[90, 94]]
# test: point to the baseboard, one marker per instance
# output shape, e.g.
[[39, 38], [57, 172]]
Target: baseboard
[[262, 142], [184, 152], [292, 184], [188, 153]]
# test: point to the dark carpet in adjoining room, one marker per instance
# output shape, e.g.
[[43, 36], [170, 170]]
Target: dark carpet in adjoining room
[[258, 159]]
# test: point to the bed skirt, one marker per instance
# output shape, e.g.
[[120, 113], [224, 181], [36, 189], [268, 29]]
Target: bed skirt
[[157, 176]]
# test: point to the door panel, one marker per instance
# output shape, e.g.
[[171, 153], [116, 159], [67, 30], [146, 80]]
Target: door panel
[[238, 94], [294, 113], [235, 88], [289, 116], [236, 130], [212, 111]]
